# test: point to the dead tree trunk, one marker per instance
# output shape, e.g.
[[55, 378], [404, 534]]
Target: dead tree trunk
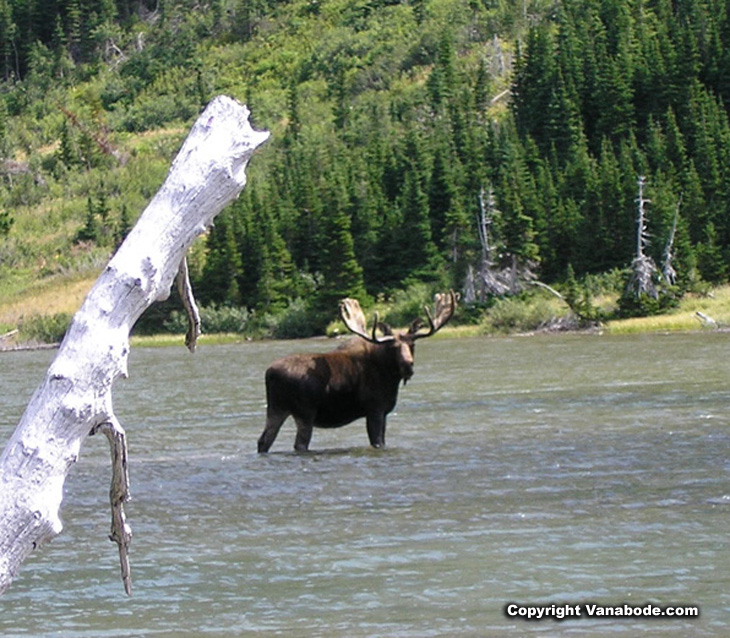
[[75, 398], [668, 271], [643, 267]]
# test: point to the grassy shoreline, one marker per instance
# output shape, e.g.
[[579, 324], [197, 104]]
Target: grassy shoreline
[[537, 315]]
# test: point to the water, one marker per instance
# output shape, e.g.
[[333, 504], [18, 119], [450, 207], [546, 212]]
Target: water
[[532, 470]]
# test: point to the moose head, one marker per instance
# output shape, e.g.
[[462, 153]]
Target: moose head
[[401, 343]]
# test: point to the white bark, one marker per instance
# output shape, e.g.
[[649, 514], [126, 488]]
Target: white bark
[[75, 396], [643, 267]]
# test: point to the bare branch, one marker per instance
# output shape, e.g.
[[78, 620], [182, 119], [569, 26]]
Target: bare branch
[[121, 533], [185, 290]]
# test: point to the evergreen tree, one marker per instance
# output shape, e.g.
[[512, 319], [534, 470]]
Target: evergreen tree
[[443, 193], [294, 125], [417, 253], [614, 93], [373, 157], [267, 270], [124, 225], [694, 204], [676, 148], [481, 87], [442, 80], [66, 153], [710, 261], [533, 87], [341, 108], [223, 264], [366, 203], [6, 223], [91, 231], [74, 29], [8, 35], [343, 276]]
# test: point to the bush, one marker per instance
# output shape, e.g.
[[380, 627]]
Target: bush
[[630, 305], [519, 314], [213, 319], [225, 319], [408, 305], [44, 328], [295, 322]]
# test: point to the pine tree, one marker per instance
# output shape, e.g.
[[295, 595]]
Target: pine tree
[[124, 225], [443, 192], [614, 93], [343, 276], [91, 231], [533, 86], [341, 107], [6, 223], [481, 87], [441, 83], [417, 253], [294, 125], [267, 270], [676, 148], [222, 266], [8, 35], [514, 187], [73, 29], [710, 262], [366, 203]]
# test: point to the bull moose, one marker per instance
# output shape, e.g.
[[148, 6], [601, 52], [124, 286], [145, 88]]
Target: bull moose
[[359, 379]]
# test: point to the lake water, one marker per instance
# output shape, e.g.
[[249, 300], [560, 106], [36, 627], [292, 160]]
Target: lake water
[[544, 470]]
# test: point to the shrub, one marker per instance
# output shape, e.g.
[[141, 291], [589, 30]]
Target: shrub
[[44, 328], [295, 322], [408, 304], [519, 314], [225, 319], [643, 305], [213, 319]]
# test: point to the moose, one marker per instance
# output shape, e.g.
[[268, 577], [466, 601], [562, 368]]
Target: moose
[[359, 379]]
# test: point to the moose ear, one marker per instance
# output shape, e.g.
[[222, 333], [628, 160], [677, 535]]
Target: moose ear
[[385, 328]]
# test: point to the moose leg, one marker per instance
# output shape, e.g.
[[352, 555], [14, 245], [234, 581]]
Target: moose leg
[[304, 434], [376, 429], [274, 419]]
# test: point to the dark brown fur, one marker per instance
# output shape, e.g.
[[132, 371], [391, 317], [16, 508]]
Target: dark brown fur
[[358, 380]]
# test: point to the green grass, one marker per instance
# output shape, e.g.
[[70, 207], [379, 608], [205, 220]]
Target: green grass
[[683, 319], [23, 298], [167, 340], [49, 296]]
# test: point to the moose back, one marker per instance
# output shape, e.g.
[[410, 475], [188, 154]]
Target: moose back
[[358, 380]]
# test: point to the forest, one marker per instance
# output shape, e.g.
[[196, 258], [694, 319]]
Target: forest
[[480, 145]]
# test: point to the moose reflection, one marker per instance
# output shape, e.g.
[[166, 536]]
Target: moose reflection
[[358, 380]]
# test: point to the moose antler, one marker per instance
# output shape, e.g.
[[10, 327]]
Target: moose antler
[[445, 305], [352, 315]]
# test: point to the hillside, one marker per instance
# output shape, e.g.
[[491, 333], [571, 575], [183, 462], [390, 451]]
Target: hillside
[[415, 145]]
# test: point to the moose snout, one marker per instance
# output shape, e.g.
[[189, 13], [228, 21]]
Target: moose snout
[[406, 370]]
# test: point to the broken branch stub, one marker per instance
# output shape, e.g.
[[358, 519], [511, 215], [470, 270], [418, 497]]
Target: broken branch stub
[[75, 398]]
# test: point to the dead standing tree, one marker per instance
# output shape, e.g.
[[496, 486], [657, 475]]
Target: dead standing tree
[[643, 268], [74, 400], [497, 274], [489, 278], [668, 271]]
